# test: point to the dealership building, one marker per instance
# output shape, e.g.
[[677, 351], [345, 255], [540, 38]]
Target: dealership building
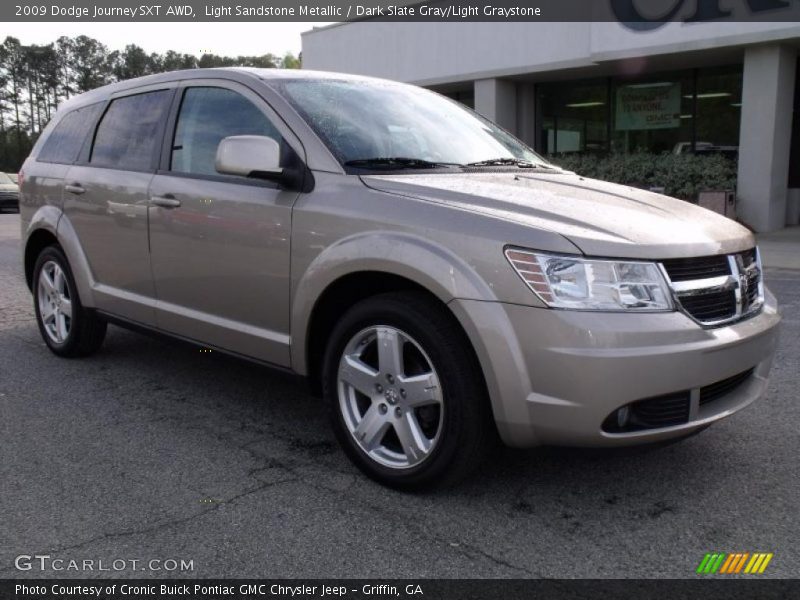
[[605, 87]]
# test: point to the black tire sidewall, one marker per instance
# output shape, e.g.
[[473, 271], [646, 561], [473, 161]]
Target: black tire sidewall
[[458, 388], [69, 346]]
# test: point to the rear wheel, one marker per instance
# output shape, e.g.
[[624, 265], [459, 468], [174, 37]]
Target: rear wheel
[[66, 326], [407, 400]]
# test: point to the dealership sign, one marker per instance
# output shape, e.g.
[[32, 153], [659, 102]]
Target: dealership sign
[[648, 106], [634, 14]]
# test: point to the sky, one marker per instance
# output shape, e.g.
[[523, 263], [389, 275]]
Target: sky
[[229, 39]]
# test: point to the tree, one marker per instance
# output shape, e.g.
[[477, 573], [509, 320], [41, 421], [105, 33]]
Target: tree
[[65, 64], [290, 61], [132, 62], [92, 67], [14, 67]]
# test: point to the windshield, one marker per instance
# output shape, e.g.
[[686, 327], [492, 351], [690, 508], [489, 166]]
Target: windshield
[[363, 120], [5, 179]]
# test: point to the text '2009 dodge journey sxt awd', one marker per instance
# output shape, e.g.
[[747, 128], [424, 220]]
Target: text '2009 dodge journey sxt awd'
[[438, 281]]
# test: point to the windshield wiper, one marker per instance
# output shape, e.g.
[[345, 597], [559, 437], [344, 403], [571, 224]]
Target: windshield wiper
[[396, 162], [511, 162]]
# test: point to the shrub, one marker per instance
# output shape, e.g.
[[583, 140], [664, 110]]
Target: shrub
[[681, 175]]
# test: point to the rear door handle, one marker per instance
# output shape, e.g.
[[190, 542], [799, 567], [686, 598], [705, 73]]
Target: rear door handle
[[165, 201], [75, 188]]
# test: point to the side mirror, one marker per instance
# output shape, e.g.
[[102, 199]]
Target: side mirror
[[249, 155]]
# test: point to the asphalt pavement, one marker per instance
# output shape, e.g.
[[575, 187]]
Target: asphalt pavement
[[152, 450]]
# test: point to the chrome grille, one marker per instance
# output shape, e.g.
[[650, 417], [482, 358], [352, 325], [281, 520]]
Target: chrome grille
[[716, 290]]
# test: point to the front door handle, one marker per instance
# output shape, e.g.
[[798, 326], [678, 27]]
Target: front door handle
[[165, 201], [75, 188]]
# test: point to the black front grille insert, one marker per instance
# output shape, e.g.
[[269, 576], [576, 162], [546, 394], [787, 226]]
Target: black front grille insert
[[662, 411], [723, 388], [735, 291], [689, 269], [670, 409], [711, 307]]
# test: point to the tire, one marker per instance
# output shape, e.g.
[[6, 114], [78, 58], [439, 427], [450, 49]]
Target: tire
[[68, 329], [419, 421]]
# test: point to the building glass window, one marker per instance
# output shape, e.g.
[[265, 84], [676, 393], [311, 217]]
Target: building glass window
[[653, 115], [574, 117], [680, 112], [719, 102], [794, 155], [467, 98]]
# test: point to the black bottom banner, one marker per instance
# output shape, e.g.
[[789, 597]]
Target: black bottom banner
[[406, 589]]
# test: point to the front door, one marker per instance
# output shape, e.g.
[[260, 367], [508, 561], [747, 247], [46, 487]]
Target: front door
[[220, 244]]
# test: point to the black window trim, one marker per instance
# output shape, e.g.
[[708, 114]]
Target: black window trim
[[86, 151], [234, 86], [89, 133]]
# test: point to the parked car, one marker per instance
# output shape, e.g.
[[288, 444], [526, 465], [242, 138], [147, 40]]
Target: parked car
[[437, 281], [706, 148], [9, 193]]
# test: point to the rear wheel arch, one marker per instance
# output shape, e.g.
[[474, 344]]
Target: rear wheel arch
[[37, 241]]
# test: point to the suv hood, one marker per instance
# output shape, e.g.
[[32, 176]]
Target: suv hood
[[600, 218]]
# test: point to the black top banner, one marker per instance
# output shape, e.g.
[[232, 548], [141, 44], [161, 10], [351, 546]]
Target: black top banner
[[637, 14]]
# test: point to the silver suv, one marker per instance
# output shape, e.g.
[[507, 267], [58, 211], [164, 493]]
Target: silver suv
[[436, 280]]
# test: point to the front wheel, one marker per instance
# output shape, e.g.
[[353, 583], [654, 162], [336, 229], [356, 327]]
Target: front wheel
[[407, 400], [66, 326]]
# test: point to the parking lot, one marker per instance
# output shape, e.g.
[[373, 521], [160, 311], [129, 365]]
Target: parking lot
[[154, 450]]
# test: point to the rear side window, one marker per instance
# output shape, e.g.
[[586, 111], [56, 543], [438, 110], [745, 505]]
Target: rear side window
[[209, 114], [128, 134], [65, 142]]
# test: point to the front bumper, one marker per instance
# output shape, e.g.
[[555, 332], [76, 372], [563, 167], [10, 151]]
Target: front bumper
[[554, 376]]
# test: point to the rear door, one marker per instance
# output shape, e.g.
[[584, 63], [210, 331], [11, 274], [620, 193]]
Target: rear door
[[220, 243], [106, 200], [60, 148]]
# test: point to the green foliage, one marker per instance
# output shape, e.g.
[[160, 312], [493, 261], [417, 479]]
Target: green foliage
[[290, 61], [681, 175]]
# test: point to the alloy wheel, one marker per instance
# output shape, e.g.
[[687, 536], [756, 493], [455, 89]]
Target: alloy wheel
[[55, 301], [390, 397]]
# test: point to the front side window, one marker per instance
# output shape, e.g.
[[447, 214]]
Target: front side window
[[64, 144], [129, 133], [361, 120], [207, 115]]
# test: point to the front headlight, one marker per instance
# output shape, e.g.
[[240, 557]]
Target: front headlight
[[589, 284]]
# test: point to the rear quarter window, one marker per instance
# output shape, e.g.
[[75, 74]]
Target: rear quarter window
[[130, 132], [64, 144]]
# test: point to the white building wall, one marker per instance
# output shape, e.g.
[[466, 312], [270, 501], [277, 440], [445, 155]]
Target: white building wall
[[441, 53]]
